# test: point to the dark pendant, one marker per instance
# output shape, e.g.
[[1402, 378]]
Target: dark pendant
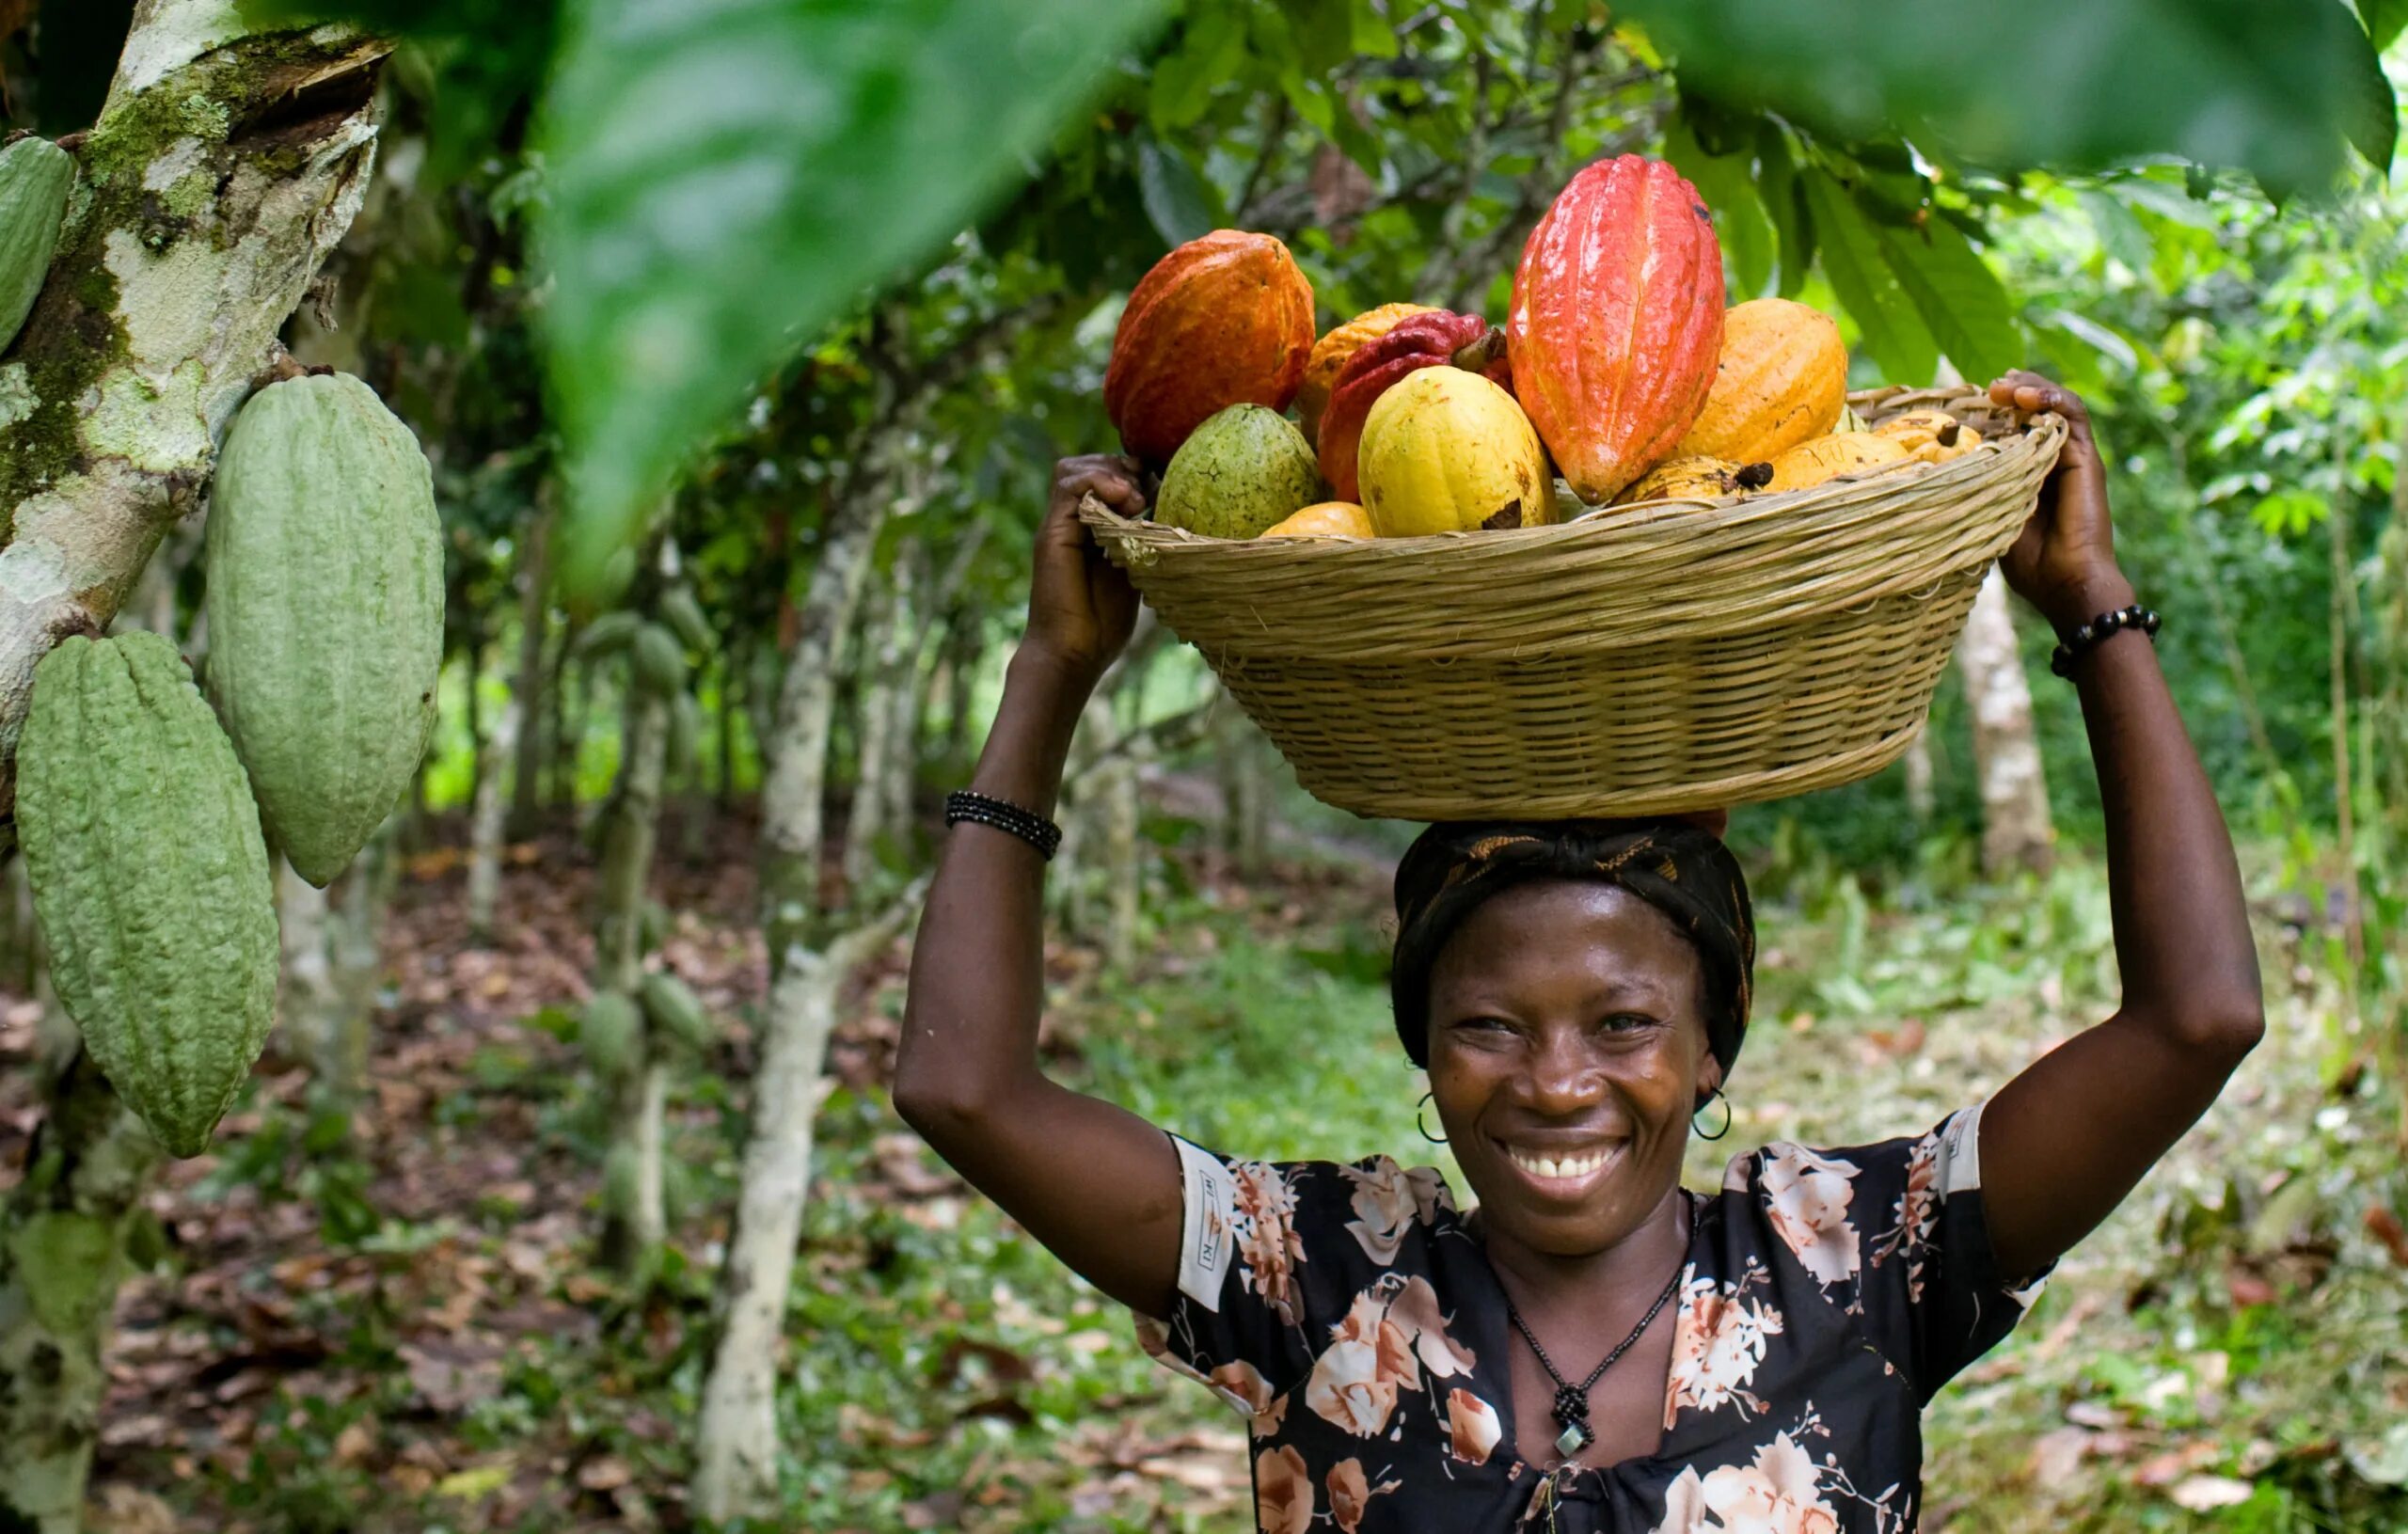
[[1573, 1412]]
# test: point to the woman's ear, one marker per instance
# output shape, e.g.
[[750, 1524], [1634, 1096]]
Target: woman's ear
[[1709, 1079]]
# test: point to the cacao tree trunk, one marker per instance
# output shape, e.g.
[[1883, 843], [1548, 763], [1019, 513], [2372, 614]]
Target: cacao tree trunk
[[2017, 832], [566, 745], [732, 688], [472, 655], [534, 576], [486, 824], [962, 655], [631, 1236], [1920, 799], [878, 669]]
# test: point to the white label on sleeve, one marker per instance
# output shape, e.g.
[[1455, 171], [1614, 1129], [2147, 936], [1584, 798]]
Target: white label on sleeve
[[1211, 1204]]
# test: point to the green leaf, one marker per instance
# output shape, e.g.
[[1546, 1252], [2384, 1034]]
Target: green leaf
[[2384, 21], [729, 175], [1181, 204], [1784, 201], [1960, 299], [1324, 32], [1211, 52], [1374, 35], [2120, 231], [1728, 184], [2279, 90], [1893, 332], [2371, 109]]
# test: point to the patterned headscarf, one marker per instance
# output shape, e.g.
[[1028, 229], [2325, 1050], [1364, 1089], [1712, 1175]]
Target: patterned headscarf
[[1673, 865]]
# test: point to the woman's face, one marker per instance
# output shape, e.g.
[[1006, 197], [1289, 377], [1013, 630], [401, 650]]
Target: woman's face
[[1567, 1052]]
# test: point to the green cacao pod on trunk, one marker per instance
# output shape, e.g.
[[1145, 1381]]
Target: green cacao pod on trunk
[[326, 612], [660, 662], [672, 1008], [607, 634], [34, 178], [149, 879], [610, 1033], [685, 618]]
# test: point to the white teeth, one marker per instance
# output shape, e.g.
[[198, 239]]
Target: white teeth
[[1557, 1166]]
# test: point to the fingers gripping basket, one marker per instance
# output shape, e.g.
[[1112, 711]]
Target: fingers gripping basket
[[1675, 655]]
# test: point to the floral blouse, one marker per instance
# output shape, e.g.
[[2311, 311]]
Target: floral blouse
[[1350, 1314]]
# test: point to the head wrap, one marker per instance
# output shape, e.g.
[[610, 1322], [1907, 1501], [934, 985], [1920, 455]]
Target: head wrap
[[1676, 865]]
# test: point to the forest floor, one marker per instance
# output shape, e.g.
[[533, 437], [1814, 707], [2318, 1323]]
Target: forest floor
[[407, 1330]]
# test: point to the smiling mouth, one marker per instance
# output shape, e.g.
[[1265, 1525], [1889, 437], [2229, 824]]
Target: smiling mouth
[[1562, 1171]]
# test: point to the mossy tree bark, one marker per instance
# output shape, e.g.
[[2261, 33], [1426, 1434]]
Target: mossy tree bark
[[2017, 832], [225, 163], [632, 1234], [527, 773]]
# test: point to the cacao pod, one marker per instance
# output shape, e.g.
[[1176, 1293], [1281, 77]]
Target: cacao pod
[[607, 634], [1245, 470], [658, 661], [34, 178], [685, 616], [612, 1033], [671, 1007], [1616, 321], [622, 1182], [149, 879], [1330, 352], [1811, 463], [326, 612], [1435, 340], [1696, 478], [1446, 450], [652, 923], [1781, 378], [1933, 435], [1223, 319], [1325, 519]]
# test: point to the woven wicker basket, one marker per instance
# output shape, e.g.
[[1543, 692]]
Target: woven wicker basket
[[1675, 655]]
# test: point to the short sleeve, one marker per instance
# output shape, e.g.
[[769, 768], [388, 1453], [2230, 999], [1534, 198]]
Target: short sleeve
[[1273, 1255], [1896, 1233]]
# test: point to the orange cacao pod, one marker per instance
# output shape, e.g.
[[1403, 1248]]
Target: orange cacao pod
[[1617, 320], [1330, 352], [1822, 458], [1435, 339], [1781, 378], [1223, 319], [1933, 435], [1696, 478]]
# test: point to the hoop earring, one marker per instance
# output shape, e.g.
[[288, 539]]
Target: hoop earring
[[1433, 1139], [1726, 1117]]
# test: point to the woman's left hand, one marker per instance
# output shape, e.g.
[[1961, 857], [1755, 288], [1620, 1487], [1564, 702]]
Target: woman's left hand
[[2064, 560]]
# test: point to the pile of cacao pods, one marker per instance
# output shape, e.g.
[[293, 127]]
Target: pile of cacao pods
[[145, 814], [1618, 368]]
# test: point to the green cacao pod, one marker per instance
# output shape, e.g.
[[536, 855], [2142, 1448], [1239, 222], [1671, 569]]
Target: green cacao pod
[[34, 178], [685, 616], [326, 612], [150, 878], [607, 634], [654, 923], [658, 658], [672, 1008], [622, 1181], [610, 1033]]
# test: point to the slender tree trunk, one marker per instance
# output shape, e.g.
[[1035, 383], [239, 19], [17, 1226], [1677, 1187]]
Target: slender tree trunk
[[1920, 801], [2016, 828], [2340, 609], [486, 823], [566, 747], [877, 671], [631, 1235], [732, 689], [898, 773], [527, 692], [962, 655]]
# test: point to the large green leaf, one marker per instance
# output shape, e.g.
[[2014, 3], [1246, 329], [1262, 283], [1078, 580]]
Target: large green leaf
[[728, 175], [1892, 328], [1728, 184], [2384, 20], [1960, 299], [2281, 89], [1784, 200]]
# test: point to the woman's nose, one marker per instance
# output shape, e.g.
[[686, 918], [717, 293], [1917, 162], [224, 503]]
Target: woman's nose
[[1562, 1079]]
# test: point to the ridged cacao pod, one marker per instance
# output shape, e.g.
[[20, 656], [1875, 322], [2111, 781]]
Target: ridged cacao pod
[[1330, 352], [1696, 478], [1810, 464], [1933, 435], [610, 1033], [34, 178], [1781, 378], [1326, 519], [149, 879], [685, 617], [1245, 470], [1616, 321], [1435, 340], [1223, 320], [658, 659], [1448, 450], [607, 634], [326, 612], [671, 1007]]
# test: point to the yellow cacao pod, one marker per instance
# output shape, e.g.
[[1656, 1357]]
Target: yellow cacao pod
[[1326, 519], [1782, 379], [1933, 435], [1810, 464], [1330, 352], [1697, 478], [1447, 451]]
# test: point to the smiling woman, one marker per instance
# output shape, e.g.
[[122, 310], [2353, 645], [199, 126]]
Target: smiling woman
[[1594, 1348]]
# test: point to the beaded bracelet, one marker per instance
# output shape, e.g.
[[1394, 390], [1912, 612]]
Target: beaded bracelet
[[2088, 635], [1037, 831]]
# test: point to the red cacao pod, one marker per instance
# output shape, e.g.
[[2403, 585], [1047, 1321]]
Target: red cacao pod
[[1616, 321], [1433, 339], [1223, 319]]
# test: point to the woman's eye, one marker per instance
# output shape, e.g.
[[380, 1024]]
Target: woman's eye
[[1484, 1025], [1622, 1023]]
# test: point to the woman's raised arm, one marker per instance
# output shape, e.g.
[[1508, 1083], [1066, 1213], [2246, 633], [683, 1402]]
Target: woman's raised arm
[[2065, 1140], [1097, 1185]]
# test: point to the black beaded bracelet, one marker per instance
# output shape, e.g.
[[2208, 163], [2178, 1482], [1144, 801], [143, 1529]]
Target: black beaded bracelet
[[2088, 637], [1037, 831]]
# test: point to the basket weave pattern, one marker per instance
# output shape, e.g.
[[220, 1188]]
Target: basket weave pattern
[[1675, 655]]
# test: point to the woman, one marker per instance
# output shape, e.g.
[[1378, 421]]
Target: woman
[[1594, 1348]]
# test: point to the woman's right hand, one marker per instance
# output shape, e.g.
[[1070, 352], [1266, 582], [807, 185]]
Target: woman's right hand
[[1081, 605]]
